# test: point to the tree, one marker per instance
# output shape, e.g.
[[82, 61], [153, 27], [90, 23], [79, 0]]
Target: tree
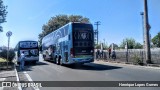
[[11, 55], [132, 44], [98, 46], [3, 14], [156, 40], [58, 21], [138, 46], [115, 46]]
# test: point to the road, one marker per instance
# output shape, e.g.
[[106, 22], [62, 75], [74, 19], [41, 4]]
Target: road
[[97, 71]]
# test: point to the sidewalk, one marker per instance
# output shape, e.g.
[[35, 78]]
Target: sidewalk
[[122, 62], [8, 75]]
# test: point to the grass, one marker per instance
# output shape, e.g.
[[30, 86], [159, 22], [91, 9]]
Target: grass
[[2, 60]]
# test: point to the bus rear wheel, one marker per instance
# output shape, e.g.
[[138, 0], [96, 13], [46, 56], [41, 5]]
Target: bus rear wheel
[[61, 63], [34, 62], [57, 61]]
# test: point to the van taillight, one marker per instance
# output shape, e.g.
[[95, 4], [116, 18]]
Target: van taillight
[[72, 52]]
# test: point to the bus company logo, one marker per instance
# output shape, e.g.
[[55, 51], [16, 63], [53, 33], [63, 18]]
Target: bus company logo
[[6, 84], [83, 35]]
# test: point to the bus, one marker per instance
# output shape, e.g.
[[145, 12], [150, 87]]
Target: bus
[[72, 43], [30, 49]]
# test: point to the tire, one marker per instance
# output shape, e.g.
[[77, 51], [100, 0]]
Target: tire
[[54, 60], [44, 57], [82, 64], [57, 61], [61, 62], [34, 62]]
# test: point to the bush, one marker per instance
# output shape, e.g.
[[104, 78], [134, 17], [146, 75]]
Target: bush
[[137, 60], [11, 55]]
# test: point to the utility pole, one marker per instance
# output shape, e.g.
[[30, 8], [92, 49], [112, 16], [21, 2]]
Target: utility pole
[[97, 24], [142, 14], [147, 28], [1, 29], [104, 41], [126, 47]]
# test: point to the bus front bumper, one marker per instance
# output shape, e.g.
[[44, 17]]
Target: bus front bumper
[[30, 59]]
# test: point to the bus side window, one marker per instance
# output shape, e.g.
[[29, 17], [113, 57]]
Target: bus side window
[[69, 37]]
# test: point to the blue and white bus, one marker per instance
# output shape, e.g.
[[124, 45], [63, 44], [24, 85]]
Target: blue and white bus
[[30, 49], [70, 44]]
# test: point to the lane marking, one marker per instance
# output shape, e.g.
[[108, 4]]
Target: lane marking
[[19, 88], [29, 78]]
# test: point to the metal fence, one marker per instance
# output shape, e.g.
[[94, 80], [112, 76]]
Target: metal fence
[[133, 54]]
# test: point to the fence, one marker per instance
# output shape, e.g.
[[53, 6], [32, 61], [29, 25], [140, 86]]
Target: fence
[[133, 55]]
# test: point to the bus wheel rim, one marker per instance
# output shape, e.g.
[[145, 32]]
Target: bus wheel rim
[[56, 61]]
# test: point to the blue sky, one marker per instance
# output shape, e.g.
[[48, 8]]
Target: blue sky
[[119, 18]]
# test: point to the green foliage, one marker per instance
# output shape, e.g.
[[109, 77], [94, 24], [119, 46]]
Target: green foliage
[[105, 47], [58, 21], [132, 44], [3, 14], [138, 45], [98, 46], [2, 60], [115, 46], [11, 55], [156, 40], [136, 60]]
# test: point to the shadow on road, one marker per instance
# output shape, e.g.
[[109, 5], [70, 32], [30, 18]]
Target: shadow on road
[[92, 66], [29, 65]]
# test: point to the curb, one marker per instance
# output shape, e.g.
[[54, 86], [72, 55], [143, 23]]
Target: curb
[[130, 64], [19, 88]]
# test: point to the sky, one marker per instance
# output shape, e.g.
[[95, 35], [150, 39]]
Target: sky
[[119, 19]]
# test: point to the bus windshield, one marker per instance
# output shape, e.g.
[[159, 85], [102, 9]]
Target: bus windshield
[[28, 44]]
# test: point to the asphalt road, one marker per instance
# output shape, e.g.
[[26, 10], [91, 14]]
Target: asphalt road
[[97, 71]]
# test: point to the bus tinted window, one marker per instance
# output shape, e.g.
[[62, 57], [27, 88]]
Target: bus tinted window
[[82, 32], [28, 44], [83, 39]]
